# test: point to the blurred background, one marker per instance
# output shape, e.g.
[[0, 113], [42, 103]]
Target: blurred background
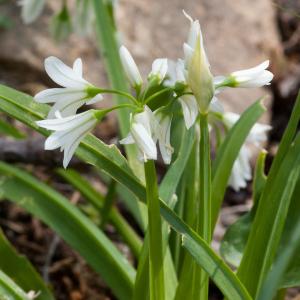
[[237, 35]]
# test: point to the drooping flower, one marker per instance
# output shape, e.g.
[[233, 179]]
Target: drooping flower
[[159, 69], [143, 133], [241, 171], [163, 135], [254, 77], [69, 132], [197, 68], [130, 68], [75, 91], [31, 10]]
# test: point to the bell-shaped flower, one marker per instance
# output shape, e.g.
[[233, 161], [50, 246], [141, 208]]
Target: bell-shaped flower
[[75, 91], [197, 68], [159, 70], [68, 132], [249, 78], [130, 68], [143, 133], [163, 135], [31, 10], [241, 171]]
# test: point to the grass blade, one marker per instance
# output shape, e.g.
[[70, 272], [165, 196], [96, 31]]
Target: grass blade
[[228, 153], [15, 266], [77, 230]]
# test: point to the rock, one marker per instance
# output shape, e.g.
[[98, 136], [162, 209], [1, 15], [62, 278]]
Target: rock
[[236, 37]]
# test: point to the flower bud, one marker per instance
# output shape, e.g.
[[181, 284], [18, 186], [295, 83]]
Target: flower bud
[[197, 68], [130, 68]]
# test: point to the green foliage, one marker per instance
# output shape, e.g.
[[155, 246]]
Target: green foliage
[[15, 266]]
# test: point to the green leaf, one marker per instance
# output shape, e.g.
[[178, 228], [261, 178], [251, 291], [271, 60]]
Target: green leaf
[[228, 153], [108, 45], [9, 130], [97, 200], [288, 242], [15, 266], [236, 236], [166, 191], [280, 268], [9, 290], [77, 230], [110, 160], [269, 221], [218, 271]]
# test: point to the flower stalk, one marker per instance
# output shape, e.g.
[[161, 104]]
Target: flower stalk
[[204, 215], [157, 290]]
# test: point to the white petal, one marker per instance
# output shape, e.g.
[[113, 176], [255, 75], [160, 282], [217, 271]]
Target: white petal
[[130, 67], [216, 105], [190, 109], [77, 67], [95, 99], [259, 81], [57, 94], [65, 123], [159, 68], [127, 140], [165, 147], [65, 108], [62, 74], [252, 71], [144, 140]]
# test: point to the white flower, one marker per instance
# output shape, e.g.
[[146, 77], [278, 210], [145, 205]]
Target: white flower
[[68, 132], [130, 67], [31, 9], [143, 133], [163, 135], [254, 77], [75, 91], [249, 78], [241, 171], [159, 69], [197, 68], [175, 73]]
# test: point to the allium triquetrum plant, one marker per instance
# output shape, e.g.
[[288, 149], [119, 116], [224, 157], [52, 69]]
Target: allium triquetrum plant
[[173, 114]]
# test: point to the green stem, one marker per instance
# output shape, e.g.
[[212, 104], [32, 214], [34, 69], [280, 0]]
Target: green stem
[[204, 220], [95, 91], [153, 96], [106, 36], [108, 202], [155, 234]]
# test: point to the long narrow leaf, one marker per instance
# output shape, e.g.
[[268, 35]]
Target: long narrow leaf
[[228, 153], [16, 266], [269, 222], [9, 290], [78, 231]]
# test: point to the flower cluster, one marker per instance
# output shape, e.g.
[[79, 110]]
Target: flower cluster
[[186, 86]]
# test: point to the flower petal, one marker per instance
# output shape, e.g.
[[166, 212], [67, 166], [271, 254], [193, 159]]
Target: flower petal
[[62, 74]]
